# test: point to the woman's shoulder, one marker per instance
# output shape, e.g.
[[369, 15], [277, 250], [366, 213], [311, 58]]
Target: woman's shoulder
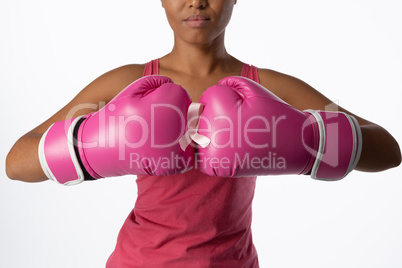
[[122, 74], [290, 89], [126, 72], [278, 82], [112, 82]]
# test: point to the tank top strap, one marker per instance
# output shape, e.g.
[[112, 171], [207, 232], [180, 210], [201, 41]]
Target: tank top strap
[[251, 72], [151, 68]]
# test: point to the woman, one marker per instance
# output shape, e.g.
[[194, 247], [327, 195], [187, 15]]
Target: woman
[[199, 221]]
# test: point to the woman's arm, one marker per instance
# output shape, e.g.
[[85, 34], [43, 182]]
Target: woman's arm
[[380, 150], [22, 161]]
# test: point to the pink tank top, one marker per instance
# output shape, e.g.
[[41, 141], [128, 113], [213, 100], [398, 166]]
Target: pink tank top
[[189, 220]]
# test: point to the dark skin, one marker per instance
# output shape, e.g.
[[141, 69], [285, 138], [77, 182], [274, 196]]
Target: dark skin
[[197, 61]]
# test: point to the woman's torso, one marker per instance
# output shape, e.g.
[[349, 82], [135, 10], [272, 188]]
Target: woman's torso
[[190, 219]]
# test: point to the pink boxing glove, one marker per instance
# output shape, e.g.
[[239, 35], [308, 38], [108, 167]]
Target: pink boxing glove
[[253, 132], [137, 132]]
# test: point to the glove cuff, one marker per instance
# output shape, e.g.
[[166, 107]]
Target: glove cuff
[[57, 153], [340, 144]]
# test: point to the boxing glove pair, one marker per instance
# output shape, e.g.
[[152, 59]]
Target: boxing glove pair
[[238, 127]]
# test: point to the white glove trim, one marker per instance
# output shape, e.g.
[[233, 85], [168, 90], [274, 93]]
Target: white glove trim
[[357, 142], [321, 144]]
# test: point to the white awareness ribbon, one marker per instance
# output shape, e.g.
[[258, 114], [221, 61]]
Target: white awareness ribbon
[[193, 121]]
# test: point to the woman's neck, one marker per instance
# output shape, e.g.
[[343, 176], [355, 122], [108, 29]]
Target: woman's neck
[[198, 59]]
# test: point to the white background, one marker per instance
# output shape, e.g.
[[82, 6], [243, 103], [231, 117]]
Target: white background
[[349, 50]]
